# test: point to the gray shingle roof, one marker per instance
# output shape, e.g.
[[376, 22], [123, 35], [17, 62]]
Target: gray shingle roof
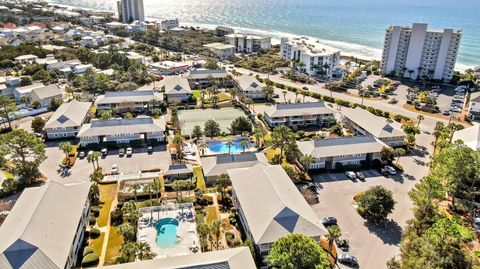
[[121, 126], [69, 115], [470, 136], [298, 109], [176, 169], [128, 97], [47, 91], [60, 65], [234, 258], [176, 85], [341, 146], [216, 165], [374, 125], [206, 73], [272, 205], [249, 83], [40, 229]]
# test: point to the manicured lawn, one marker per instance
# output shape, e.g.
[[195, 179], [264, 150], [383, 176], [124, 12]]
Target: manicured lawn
[[211, 214], [196, 94], [200, 180], [224, 97], [97, 243], [107, 194], [115, 241]]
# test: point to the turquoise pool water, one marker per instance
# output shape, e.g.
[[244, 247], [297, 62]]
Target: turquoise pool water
[[221, 146], [166, 232]]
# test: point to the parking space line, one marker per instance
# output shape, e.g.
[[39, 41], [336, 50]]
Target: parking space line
[[332, 177]]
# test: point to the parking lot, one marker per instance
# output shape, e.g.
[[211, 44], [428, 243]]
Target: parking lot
[[140, 160], [372, 245]]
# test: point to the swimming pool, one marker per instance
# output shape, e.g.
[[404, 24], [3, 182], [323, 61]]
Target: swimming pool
[[220, 146], [167, 232]]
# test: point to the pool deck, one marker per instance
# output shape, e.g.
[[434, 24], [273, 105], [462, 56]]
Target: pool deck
[[186, 231]]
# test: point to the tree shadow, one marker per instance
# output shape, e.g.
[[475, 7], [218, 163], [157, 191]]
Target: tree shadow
[[388, 231]]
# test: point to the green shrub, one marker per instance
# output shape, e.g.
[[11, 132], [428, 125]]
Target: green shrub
[[87, 250], [397, 118], [90, 259], [91, 220], [94, 233], [95, 211]]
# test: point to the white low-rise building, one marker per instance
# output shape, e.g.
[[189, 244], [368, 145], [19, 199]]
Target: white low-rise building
[[470, 137], [222, 51], [298, 114], [66, 121], [353, 150], [177, 89], [317, 59], [167, 67], [122, 131], [474, 106], [46, 227], [250, 87], [271, 207], [362, 122], [167, 25], [249, 43]]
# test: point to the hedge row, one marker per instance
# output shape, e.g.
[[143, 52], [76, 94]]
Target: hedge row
[[341, 102]]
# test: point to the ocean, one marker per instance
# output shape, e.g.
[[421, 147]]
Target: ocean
[[356, 27]]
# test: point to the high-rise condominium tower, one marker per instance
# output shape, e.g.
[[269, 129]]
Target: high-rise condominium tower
[[417, 52], [130, 10]]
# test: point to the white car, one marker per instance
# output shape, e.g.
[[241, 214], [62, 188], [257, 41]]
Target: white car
[[351, 175], [391, 170], [114, 169], [90, 153], [129, 152]]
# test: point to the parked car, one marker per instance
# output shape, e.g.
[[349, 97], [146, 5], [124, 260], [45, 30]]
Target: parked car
[[149, 149], [351, 175], [342, 243], [90, 152], [81, 154], [104, 151], [360, 175], [446, 112], [305, 88], [327, 221], [391, 170], [114, 169], [346, 258], [393, 101], [129, 152], [121, 152], [384, 172]]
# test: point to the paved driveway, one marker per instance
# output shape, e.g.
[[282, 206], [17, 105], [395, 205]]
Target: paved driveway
[[372, 245], [140, 160]]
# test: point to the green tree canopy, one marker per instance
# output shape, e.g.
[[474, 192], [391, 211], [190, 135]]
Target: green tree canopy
[[211, 128], [376, 203], [297, 251], [241, 125]]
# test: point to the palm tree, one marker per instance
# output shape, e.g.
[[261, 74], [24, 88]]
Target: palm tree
[[157, 187], [222, 183], [204, 232], [91, 159], [66, 147], [420, 118], [134, 188], [130, 212], [128, 251], [127, 231], [284, 92], [258, 136], [229, 144], [216, 229], [148, 188], [178, 186], [306, 161], [334, 233], [233, 93], [96, 155], [144, 252], [215, 100], [399, 152], [178, 142], [268, 91], [96, 176], [244, 144], [249, 103]]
